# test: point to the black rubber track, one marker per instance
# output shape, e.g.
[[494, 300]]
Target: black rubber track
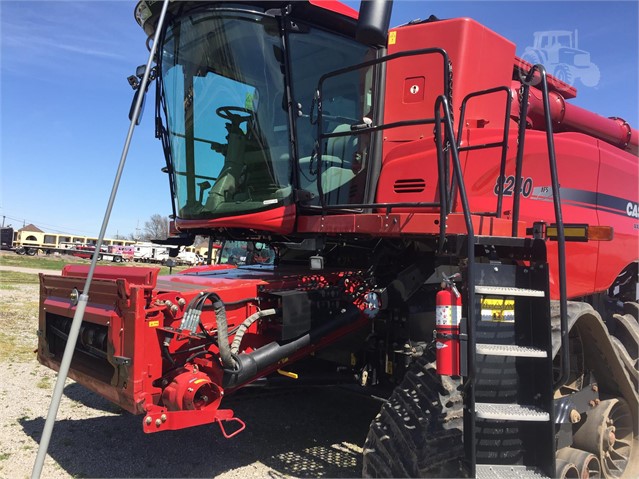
[[418, 432]]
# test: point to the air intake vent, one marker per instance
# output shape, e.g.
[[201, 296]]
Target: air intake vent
[[413, 185]]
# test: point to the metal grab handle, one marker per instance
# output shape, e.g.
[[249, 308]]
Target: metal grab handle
[[231, 419]]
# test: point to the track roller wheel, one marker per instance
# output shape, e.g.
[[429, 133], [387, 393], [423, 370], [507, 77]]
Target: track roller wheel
[[418, 432], [632, 309], [566, 470], [607, 433], [586, 462], [626, 339]]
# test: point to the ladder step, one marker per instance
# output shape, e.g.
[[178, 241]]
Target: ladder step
[[510, 350], [510, 412], [506, 291], [497, 471]]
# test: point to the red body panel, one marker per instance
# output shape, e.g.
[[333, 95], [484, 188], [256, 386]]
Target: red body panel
[[480, 59], [335, 6], [278, 220], [206, 268], [583, 162], [397, 224]]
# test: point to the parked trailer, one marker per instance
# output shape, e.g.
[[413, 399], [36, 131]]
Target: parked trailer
[[6, 238]]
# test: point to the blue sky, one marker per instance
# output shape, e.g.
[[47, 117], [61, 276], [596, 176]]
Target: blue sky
[[65, 98]]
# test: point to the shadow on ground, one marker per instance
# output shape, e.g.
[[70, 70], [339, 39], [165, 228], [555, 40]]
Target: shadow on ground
[[303, 433]]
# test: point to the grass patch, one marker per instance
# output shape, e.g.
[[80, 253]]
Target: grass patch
[[4, 456], [57, 263], [44, 383], [39, 262], [8, 279], [12, 350], [19, 320]]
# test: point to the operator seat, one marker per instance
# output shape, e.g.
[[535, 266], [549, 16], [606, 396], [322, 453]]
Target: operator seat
[[337, 163]]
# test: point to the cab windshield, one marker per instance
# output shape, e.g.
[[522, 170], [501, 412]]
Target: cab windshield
[[226, 121]]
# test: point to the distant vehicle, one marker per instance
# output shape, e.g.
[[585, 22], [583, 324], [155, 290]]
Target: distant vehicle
[[6, 238], [149, 252], [183, 257], [127, 252], [558, 50], [106, 254]]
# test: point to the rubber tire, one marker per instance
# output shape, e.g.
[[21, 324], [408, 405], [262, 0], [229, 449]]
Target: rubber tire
[[418, 432]]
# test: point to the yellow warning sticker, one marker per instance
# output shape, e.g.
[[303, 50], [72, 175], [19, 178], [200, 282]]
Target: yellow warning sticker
[[497, 309], [154, 324], [392, 38]]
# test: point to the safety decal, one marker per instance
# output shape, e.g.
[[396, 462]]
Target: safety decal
[[392, 38], [448, 316], [498, 310], [154, 324]]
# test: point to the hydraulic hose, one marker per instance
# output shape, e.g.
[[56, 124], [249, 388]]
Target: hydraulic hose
[[235, 347], [192, 318], [251, 364], [223, 334]]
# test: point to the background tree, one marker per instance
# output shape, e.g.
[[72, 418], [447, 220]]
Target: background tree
[[157, 227]]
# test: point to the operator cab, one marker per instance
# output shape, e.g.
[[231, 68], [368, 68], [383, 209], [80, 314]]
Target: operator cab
[[242, 121]]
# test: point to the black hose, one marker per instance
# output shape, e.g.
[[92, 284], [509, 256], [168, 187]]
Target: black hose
[[251, 364], [165, 352]]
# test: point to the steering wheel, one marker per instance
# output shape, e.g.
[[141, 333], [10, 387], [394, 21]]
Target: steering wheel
[[232, 114]]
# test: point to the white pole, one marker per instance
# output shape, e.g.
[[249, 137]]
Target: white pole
[[84, 297]]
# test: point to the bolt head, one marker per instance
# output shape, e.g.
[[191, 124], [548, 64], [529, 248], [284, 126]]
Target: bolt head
[[158, 422], [575, 417], [163, 417], [148, 420]]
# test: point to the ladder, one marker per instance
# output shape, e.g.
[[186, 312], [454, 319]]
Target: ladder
[[510, 401], [507, 364]]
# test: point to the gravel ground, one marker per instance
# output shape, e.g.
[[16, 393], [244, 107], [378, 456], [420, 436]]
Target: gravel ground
[[306, 432]]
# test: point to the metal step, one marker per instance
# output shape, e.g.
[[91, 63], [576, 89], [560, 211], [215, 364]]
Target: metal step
[[510, 350], [496, 471], [507, 291], [510, 412]]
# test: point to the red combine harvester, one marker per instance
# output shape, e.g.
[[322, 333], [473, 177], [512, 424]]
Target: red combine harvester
[[408, 181]]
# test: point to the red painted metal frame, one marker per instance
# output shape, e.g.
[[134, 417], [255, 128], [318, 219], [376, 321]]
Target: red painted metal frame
[[277, 220], [336, 7], [407, 223], [138, 309]]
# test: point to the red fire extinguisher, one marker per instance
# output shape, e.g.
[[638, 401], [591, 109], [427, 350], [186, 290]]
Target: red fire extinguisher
[[448, 312]]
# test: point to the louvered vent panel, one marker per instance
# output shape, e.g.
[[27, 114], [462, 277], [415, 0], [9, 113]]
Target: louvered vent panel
[[410, 185]]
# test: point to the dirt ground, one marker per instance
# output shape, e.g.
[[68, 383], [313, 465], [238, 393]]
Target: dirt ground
[[303, 432], [308, 432]]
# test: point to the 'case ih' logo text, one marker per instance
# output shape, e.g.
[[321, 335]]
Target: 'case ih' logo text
[[632, 209]]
